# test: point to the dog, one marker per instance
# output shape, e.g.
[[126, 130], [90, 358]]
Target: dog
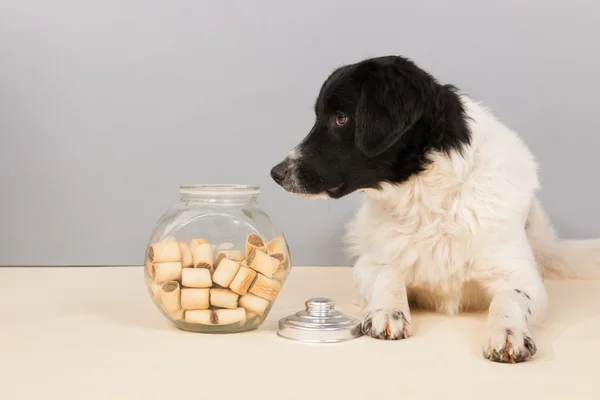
[[451, 219]]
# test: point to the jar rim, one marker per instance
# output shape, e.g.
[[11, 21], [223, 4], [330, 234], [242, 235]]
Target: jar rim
[[221, 189]]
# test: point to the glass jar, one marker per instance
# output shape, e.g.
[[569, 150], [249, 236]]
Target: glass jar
[[215, 262]]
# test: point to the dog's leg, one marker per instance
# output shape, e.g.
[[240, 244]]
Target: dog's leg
[[384, 289], [519, 300]]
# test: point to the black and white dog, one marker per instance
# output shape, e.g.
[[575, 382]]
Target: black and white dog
[[450, 219]]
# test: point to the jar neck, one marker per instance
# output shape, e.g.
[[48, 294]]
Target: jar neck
[[220, 200], [219, 195]]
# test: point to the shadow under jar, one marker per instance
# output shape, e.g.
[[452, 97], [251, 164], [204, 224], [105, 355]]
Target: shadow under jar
[[215, 262]]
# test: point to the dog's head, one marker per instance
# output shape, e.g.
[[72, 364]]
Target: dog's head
[[373, 125]]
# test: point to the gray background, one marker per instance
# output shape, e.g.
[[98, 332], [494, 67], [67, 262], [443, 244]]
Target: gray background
[[107, 106]]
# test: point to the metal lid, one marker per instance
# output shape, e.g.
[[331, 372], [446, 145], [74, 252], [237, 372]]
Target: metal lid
[[319, 323]]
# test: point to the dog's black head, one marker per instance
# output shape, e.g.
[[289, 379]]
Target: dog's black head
[[375, 122]]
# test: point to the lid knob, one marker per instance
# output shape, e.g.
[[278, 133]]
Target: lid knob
[[319, 306]]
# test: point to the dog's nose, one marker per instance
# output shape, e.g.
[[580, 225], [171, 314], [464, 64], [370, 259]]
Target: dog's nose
[[279, 172]]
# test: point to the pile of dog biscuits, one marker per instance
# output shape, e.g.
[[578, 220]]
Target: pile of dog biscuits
[[194, 285]]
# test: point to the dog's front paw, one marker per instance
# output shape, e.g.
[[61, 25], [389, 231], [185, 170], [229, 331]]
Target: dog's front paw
[[387, 325], [508, 345]]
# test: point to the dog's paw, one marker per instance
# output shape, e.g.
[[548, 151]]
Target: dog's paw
[[506, 345], [387, 325]]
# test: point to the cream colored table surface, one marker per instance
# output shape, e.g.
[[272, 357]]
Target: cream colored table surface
[[93, 333]]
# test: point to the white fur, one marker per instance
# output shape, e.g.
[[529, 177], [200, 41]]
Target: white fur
[[453, 238], [291, 184]]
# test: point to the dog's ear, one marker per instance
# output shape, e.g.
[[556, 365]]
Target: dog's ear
[[388, 106]]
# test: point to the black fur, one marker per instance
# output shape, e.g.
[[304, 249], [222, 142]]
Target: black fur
[[397, 113], [523, 293], [398, 315]]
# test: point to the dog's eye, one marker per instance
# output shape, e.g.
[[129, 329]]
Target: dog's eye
[[340, 119]]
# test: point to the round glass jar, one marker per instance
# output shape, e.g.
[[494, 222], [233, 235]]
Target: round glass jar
[[215, 262]]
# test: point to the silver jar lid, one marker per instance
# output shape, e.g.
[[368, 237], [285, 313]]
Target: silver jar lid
[[319, 323]]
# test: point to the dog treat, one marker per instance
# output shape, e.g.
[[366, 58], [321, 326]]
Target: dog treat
[[220, 257], [280, 257], [155, 289], [149, 267], [265, 287], [187, 259], [250, 315], [243, 279], [195, 242], [190, 284], [164, 252], [203, 256], [223, 298], [169, 296], [262, 263], [234, 255], [194, 299], [196, 278], [178, 315], [243, 263], [150, 271], [254, 304], [166, 271], [225, 272], [224, 317], [255, 242], [280, 274], [199, 317], [277, 245]]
